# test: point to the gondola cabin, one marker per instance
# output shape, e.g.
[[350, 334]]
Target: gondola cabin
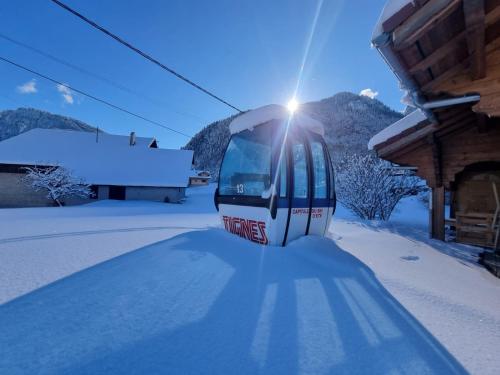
[[276, 180]]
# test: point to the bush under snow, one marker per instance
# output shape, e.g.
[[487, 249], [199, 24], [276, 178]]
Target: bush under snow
[[370, 187], [58, 182]]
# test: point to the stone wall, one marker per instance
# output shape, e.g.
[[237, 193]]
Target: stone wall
[[14, 192]]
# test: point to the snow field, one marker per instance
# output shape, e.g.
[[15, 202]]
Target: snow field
[[140, 287], [192, 304]]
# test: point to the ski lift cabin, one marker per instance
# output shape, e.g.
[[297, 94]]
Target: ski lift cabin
[[276, 179]]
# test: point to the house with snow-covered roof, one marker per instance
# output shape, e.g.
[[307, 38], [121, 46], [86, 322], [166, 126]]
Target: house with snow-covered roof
[[199, 178], [116, 166], [445, 55]]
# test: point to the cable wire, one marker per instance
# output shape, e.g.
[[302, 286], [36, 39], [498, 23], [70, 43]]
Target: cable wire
[[116, 85], [143, 54], [94, 97]]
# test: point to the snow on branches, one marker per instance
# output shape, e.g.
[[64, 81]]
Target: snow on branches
[[58, 182], [369, 186]]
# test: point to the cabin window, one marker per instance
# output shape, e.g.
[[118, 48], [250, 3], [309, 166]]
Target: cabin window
[[319, 168], [300, 187], [246, 168]]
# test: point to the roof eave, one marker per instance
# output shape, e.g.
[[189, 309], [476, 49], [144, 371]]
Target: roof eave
[[383, 44]]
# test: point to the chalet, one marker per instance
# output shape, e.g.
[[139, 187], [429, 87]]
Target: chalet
[[446, 55], [199, 178], [117, 167]]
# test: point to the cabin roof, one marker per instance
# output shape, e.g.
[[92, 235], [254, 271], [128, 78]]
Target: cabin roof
[[265, 114], [109, 161]]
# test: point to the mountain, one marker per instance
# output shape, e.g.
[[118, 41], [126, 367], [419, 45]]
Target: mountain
[[350, 121], [209, 145], [17, 121]]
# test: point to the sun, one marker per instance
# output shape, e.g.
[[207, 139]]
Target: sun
[[292, 105]]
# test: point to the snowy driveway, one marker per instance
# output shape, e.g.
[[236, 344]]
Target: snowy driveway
[[207, 302]]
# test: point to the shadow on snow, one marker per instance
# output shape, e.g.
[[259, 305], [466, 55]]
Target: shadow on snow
[[208, 302]]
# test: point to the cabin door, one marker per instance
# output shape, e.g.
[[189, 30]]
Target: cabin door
[[320, 213], [300, 189]]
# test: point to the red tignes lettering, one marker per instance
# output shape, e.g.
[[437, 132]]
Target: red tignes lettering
[[250, 229]]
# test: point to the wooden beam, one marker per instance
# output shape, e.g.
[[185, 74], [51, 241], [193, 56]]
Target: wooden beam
[[450, 73], [392, 22], [414, 147], [449, 111], [493, 45], [439, 54], [437, 213], [436, 159], [457, 128], [489, 104], [462, 84], [409, 139], [493, 16], [450, 114], [475, 27], [422, 21], [458, 117]]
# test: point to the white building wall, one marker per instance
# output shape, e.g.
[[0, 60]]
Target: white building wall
[[159, 194], [102, 192], [14, 192]]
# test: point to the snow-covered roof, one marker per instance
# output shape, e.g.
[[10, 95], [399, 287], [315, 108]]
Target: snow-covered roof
[[109, 161], [111, 139], [262, 115], [390, 9], [199, 174], [398, 127]]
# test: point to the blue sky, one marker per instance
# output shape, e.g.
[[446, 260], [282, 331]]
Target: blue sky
[[247, 52]]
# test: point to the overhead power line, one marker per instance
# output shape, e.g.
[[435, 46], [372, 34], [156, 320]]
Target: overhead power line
[[93, 97], [116, 85], [142, 53]]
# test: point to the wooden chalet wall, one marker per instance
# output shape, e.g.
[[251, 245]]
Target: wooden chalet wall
[[468, 148], [439, 160], [444, 49]]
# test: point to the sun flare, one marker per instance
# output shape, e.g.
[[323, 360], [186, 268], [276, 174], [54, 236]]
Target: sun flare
[[292, 105]]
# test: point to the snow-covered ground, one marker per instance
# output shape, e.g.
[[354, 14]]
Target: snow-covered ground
[[141, 287], [41, 245], [441, 284]]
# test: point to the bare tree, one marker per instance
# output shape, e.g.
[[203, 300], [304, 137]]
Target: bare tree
[[58, 182], [370, 187]]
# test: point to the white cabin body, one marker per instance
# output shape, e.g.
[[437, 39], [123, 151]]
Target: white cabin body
[[276, 180]]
